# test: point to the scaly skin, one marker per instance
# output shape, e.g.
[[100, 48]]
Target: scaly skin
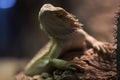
[[65, 33]]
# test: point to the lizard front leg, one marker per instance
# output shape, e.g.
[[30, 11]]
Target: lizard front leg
[[63, 64], [97, 45], [40, 63], [46, 58]]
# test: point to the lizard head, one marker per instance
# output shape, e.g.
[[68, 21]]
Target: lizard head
[[56, 21]]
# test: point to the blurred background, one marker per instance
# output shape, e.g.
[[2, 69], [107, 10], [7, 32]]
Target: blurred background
[[21, 37]]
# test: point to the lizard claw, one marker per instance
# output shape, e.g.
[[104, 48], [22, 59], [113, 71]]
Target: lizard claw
[[100, 46]]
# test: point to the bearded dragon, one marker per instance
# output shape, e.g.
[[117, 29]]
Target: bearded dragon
[[65, 33]]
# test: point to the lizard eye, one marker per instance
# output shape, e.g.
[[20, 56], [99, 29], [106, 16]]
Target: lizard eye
[[60, 13]]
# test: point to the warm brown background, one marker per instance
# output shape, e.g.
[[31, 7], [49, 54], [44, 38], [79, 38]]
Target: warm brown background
[[25, 37]]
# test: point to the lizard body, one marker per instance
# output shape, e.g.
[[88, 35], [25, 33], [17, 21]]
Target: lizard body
[[65, 33]]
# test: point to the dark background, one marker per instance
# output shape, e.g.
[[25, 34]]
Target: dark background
[[21, 37]]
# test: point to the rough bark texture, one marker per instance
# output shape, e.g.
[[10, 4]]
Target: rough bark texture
[[91, 65], [118, 45]]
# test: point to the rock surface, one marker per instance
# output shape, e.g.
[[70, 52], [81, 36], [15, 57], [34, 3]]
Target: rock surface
[[92, 65]]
